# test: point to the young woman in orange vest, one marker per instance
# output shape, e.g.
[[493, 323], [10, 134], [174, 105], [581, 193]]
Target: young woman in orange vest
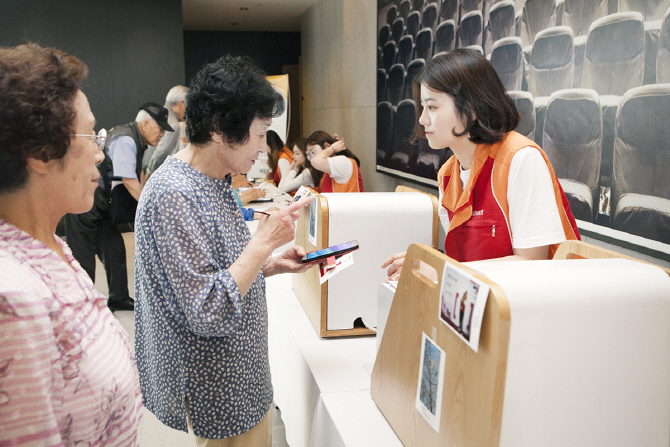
[[301, 171], [340, 167], [279, 157], [499, 196]]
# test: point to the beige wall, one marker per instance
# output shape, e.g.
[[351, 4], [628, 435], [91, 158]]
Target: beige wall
[[339, 83]]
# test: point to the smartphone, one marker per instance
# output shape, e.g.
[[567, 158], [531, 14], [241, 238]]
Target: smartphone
[[335, 250]]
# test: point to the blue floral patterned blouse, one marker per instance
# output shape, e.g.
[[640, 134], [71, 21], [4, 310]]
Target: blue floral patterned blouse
[[195, 335]]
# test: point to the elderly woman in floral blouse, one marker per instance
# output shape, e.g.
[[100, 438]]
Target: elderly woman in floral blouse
[[200, 317], [67, 375]]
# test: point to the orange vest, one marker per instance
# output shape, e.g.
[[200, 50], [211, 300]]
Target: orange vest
[[488, 234], [354, 184], [288, 155]]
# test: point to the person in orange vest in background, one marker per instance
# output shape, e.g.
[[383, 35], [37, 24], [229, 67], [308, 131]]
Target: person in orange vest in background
[[340, 167], [499, 196], [301, 171], [279, 157]]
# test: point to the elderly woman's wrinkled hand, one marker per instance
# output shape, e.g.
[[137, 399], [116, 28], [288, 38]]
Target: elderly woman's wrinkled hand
[[288, 262], [278, 228]]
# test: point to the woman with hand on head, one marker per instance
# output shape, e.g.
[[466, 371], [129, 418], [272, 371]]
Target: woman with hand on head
[[301, 172], [67, 373], [340, 167], [201, 320], [499, 196], [279, 157]]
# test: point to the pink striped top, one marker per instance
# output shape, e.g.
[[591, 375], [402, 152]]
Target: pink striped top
[[67, 372]]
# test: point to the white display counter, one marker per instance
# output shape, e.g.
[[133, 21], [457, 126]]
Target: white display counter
[[588, 362], [573, 352], [321, 385]]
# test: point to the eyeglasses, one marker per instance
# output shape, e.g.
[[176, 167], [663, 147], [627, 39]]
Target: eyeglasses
[[99, 139], [311, 153]]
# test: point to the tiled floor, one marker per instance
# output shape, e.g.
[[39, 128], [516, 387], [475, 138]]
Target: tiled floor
[[152, 432]]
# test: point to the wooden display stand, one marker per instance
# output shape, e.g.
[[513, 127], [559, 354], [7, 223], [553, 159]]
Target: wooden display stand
[[383, 224], [570, 353], [582, 250], [472, 403]]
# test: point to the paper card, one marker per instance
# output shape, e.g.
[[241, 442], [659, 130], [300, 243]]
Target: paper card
[[272, 192], [327, 271], [431, 381], [462, 302], [312, 223], [300, 193]]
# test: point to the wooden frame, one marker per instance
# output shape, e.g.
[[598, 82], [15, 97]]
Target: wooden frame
[[308, 281], [306, 285], [474, 382], [581, 250], [317, 309]]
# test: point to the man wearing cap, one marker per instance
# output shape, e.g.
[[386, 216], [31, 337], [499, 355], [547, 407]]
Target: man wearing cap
[[94, 232], [175, 103]]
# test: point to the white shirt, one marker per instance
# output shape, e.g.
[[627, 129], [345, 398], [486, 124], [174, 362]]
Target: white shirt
[[123, 153], [284, 166], [533, 215], [341, 168], [293, 180]]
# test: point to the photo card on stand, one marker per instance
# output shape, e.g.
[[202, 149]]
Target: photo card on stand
[[431, 381], [312, 223], [462, 302]]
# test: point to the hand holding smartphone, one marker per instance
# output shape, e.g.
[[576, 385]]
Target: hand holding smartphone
[[335, 250]]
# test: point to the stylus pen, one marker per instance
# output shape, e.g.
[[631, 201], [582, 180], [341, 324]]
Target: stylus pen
[[262, 212]]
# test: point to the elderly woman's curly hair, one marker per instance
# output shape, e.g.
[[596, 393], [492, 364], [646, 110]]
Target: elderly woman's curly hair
[[225, 97], [38, 87]]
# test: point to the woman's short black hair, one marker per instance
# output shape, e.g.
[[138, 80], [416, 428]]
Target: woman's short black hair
[[474, 86], [225, 97], [38, 87]]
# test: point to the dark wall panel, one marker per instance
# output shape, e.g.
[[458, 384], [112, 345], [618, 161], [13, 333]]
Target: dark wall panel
[[270, 50], [134, 49]]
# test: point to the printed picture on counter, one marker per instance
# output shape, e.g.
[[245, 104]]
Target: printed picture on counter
[[431, 381], [312, 222], [462, 303]]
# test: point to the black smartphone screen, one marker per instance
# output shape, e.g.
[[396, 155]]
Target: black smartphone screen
[[334, 250]]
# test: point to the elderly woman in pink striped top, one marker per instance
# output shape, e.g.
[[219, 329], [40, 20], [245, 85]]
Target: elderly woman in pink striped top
[[67, 374]]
